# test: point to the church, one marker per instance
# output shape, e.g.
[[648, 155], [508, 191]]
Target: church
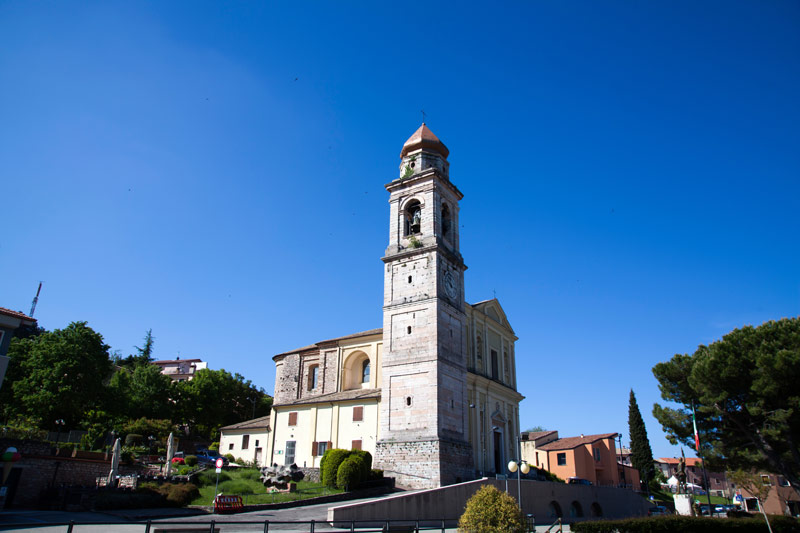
[[432, 395]]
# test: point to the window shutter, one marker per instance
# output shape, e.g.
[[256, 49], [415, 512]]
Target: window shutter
[[330, 445], [293, 419], [314, 448], [358, 414], [356, 445]]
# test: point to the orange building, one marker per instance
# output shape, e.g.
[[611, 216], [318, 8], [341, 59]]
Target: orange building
[[588, 457], [782, 498]]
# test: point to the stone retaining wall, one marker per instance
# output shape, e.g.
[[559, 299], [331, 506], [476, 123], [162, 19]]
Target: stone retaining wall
[[542, 499]]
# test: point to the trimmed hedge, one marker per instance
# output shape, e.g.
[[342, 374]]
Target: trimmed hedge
[[330, 465], [359, 471], [689, 524], [366, 468], [349, 473], [191, 460]]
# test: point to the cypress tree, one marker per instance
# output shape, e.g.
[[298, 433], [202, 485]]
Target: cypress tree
[[641, 453]]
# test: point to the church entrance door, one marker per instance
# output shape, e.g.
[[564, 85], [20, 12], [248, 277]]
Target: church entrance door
[[498, 453]]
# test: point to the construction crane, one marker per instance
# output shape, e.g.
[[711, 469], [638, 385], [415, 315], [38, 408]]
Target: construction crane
[[35, 299]]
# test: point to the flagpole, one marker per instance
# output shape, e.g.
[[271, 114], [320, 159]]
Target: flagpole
[[699, 454]]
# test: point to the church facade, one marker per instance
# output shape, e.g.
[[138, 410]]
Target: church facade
[[432, 394]]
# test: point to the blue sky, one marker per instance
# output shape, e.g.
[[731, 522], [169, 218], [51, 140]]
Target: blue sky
[[215, 172]]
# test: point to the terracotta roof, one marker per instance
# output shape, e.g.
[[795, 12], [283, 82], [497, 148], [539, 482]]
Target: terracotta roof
[[533, 435], [424, 138], [171, 361], [367, 333], [356, 394], [573, 442], [256, 423], [15, 314], [690, 461]]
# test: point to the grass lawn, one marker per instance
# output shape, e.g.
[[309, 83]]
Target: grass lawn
[[662, 496], [246, 483]]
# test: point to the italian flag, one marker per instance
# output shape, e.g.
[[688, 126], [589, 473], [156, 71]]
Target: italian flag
[[696, 434]]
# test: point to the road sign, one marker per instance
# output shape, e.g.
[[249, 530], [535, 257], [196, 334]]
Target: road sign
[[220, 462]]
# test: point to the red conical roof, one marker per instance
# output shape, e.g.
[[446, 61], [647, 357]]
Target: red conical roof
[[424, 138]]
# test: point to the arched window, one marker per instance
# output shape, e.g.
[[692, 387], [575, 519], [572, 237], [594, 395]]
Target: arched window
[[445, 220], [575, 510], [365, 371], [356, 371], [554, 510], [313, 377], [413, 218], [596, 510]]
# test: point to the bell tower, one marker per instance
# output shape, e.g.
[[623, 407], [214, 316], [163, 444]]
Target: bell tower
[[423, 424]]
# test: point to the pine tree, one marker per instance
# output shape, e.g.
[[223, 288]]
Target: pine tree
[[641, 453], [146, 352]]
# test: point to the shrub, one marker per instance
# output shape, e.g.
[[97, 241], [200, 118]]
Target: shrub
[[178, 461], [133, 439], [549, 476], [492, 511], [366, 457], [183, 470], [181, 494], [214, 447], [349, 473], [236, 486], [209, 477], [191, 460], [230, 457], [250, 473], [375, 474], [149, 495], [331, 460]]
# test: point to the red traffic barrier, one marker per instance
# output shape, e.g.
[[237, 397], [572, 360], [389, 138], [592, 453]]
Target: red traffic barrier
[[227, 504]]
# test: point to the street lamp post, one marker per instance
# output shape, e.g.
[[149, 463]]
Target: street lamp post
[[59, 424], [621, 459], [520, 468]]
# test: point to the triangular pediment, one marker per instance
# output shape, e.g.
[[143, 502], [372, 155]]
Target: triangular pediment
[[494, 310], [498, 418]]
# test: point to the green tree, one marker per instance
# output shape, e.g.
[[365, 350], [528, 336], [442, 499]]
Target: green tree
[[491, 511], [150, 393], [144, 355], [641, 453], [744, 387], [62, 374], [216, 398], [535, 429]]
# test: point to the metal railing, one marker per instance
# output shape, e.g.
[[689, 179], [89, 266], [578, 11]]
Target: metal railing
[[312, 526], [557, 523]]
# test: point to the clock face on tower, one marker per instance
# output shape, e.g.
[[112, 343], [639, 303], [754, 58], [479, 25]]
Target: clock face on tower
[[450, 285]]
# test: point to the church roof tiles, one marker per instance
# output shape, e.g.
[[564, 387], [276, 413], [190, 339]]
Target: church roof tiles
[[573, 442], [356, 394], [424, 138]]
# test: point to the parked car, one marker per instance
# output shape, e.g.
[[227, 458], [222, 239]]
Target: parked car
[[578, 481], [209, 457], [658, 510]]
